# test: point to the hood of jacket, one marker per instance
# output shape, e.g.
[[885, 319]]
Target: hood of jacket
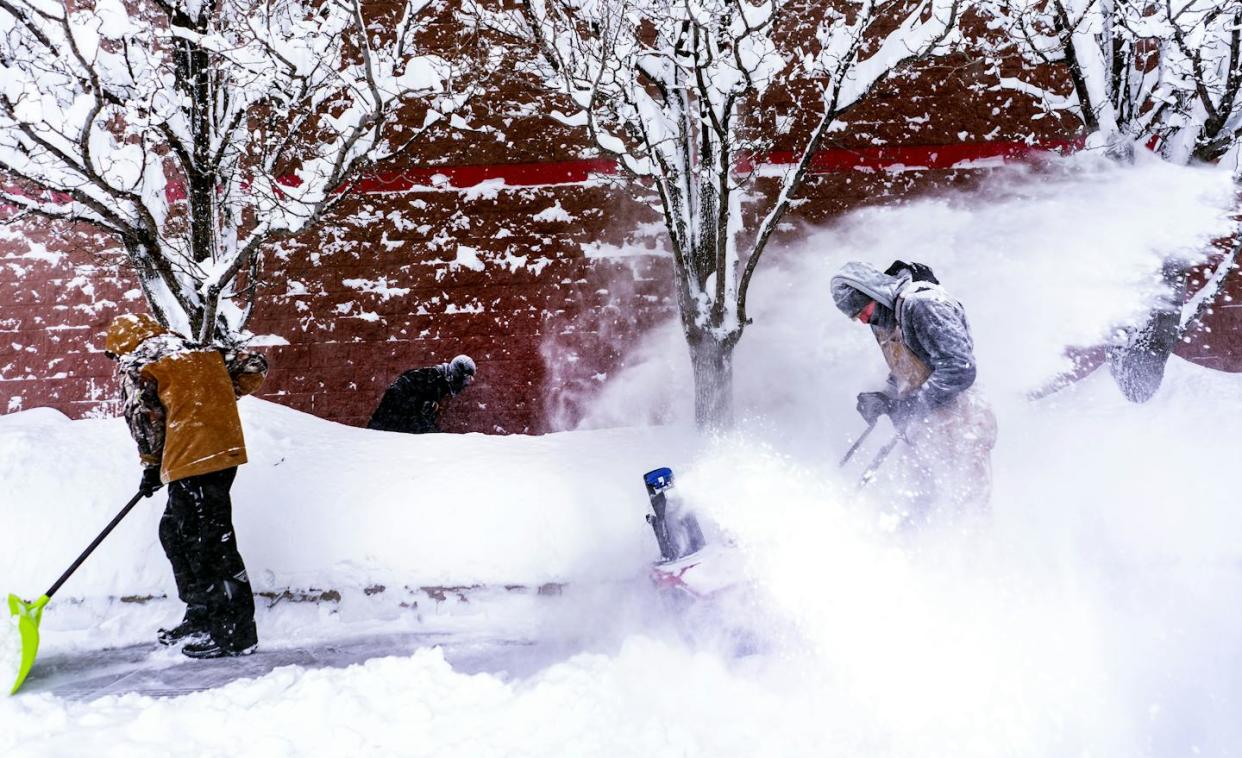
[[127, 332], [856, 276]]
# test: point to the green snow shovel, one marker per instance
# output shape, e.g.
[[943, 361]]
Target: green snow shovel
[[28, 615]]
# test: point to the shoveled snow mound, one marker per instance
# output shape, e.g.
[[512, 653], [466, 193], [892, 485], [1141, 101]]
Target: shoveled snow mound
[[330, 506]]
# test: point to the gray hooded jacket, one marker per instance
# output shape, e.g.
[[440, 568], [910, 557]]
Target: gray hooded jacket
[[933, 326]]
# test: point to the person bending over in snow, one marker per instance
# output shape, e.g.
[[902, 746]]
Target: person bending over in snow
[[180, 401], [931, 397], [412, 403]]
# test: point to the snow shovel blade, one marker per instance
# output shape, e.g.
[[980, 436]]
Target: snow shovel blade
[[27, 616]]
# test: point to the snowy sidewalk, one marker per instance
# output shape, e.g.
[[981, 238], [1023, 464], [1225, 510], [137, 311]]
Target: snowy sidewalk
[[148, 669]]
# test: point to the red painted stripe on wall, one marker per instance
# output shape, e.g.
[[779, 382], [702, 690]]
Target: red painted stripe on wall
[[826, 161], [921, 156], [517, 174], [909, 157]]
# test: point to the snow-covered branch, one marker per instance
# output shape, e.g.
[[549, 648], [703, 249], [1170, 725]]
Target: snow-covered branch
[[1160, 72], [675, 91], [198, 132]]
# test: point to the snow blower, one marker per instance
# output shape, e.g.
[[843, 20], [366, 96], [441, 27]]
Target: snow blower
[[690, 567], [27, 615]]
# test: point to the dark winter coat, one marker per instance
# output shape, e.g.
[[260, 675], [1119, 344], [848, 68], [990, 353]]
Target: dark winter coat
[[180, 398], [412, 403], [933, 326]]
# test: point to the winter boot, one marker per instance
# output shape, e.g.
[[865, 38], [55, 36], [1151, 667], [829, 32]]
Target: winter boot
[[209, 648], [228, 638], [193, 625]]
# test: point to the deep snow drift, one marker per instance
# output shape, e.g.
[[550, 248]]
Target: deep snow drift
[[335, 507], [1094, 616]]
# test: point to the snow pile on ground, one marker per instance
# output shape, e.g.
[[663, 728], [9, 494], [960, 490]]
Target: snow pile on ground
[[1093, 616], [418, 706], [333, 507]]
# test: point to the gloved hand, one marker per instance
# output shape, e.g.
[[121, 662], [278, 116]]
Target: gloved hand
[[902, 409], [872, 405], [150, 482]]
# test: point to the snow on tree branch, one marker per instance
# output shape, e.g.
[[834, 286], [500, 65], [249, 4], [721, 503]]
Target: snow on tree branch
[[675, 90], [1160, 73], [197, 132], [1164, 72]]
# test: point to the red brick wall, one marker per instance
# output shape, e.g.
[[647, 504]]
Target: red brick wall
[[56, 295], [349, 344], [1216, 342], [60, 286]]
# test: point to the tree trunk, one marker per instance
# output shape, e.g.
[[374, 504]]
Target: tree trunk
[[712, 362]]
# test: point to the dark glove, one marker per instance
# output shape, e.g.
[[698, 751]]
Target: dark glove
[[150, 482], [903, 409], [872, 405]]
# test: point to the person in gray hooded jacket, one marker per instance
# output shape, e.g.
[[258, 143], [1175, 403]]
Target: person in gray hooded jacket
[[931, 395]]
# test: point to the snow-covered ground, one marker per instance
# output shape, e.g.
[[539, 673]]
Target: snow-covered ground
[[1094, 615], [329, 506]]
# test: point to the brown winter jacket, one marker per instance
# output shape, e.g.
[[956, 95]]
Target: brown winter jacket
[[181, 398]]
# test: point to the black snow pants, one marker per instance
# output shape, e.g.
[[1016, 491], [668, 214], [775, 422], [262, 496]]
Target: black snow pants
[[197, 534]]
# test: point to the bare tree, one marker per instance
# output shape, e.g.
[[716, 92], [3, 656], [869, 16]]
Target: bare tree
[[198, 132], [1166, 74], [1160, 72], [674, 90]]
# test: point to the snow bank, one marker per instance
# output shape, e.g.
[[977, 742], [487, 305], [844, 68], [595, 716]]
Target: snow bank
[[591, 705], [333, 507]]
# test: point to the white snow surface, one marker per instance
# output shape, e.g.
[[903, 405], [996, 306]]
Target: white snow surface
[[335, 507], [1094, 615]]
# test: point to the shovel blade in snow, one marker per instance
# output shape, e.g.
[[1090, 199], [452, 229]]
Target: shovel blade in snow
[[27, 616]]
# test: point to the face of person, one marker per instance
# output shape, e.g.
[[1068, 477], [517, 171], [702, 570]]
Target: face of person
[[461, 381], [867, 312]]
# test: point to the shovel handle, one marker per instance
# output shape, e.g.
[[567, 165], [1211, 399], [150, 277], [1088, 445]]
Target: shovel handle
[[91, 548], [878, 461], [854, 448]]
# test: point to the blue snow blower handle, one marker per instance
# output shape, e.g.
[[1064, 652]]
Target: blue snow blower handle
[[658, 480]]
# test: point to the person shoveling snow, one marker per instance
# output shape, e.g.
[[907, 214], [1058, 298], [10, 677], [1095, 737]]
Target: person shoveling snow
[[180, 402], [19, 649], [412, 403], [931, 396]]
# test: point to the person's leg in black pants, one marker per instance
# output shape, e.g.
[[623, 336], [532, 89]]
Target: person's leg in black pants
[[179, 536], [219, 582]]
